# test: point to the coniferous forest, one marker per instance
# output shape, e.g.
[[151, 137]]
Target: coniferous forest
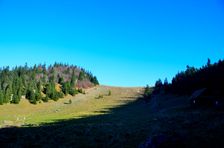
[[42, 83], [209, 77]]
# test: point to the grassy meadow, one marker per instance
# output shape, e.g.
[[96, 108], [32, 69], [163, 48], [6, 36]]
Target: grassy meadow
[[82, 105], [121, 119]]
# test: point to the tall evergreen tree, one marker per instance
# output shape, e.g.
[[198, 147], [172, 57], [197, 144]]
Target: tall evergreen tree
[[165, 82], [159, 83], [81, 75], [65, 88], [73, 79], [15, 99], [8, 94], [1, 97]]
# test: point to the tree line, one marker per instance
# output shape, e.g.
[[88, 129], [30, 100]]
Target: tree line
[[209, 76], [41, 83]]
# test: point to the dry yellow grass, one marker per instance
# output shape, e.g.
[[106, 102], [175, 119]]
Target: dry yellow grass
[[82, 105]]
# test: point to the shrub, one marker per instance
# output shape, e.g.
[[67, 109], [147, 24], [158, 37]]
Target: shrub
[[70, 101], [99, 97], [109, 93], [45, 99], [60, 94], [73, 92], [80, 90]]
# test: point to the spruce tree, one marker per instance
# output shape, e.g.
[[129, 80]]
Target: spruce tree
[[1, 97], [31, 96], [166, 83], [159, 83], [15, 99], [8, 94], [73, 79], [81, 75], [65, 88]]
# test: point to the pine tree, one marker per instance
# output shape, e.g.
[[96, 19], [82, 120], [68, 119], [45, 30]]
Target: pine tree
[[65, 88], [165, 82], [51, 91], [60, 80], [15, 99], [95, 81], [39, 86], [208, 62], [73, 79], [31, 96], [8, 94], [81, 75], [1, 97], [38, 96], [159, 83]]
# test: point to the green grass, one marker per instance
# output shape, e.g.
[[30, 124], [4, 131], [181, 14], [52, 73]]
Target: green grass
[[116, 116], [118, 120], [82, 105]]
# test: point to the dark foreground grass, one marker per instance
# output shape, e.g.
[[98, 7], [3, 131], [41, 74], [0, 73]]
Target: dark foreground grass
[[125, 126]]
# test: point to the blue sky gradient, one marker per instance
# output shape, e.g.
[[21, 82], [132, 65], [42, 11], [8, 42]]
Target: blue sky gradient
[[123, 42]]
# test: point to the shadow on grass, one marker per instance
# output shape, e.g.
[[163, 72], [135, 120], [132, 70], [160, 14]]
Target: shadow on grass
[[116, 127], [127, 125]]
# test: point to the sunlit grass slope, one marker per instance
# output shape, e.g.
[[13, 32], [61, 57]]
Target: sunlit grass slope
[[83, 105]]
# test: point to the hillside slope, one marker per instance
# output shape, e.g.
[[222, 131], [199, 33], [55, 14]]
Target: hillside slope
[[82, 105], [121, 119]]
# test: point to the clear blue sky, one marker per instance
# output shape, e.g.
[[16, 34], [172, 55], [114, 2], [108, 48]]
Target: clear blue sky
[[123, 42]]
